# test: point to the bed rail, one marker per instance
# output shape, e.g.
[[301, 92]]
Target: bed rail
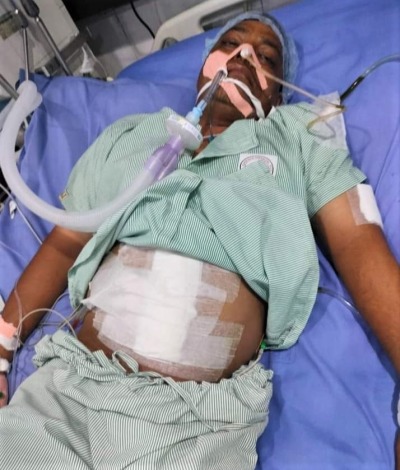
[[190, 22]]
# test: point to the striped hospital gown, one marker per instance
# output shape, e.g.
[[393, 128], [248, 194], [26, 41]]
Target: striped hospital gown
[[81, 411], [244, 204]]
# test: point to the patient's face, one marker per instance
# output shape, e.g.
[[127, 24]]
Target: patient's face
[[268, 49]]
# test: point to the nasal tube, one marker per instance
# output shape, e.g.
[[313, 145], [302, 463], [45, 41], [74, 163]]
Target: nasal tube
[[183, 134]]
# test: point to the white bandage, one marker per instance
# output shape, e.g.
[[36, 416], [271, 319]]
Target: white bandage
[[4, 365], [166, 308], [10, 344], [363, 205], [330, 130]]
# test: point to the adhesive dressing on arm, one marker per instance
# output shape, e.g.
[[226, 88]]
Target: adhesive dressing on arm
[[363, 205]]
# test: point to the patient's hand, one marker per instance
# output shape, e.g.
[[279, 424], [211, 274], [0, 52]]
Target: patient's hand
[[3, 390]]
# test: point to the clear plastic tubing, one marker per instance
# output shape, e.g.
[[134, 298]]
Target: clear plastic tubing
[[183, 134], [164, 160], [194, 115], [88, 221], [213, 87], [360, 78]]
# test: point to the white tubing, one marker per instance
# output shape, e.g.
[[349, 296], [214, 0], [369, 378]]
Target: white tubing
[[5, 111], [29, 99]]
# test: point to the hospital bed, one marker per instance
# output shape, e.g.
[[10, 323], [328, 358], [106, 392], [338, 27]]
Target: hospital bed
[[334, 391]]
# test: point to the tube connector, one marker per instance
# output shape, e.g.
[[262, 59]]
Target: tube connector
[[194, 115], [190, 135]]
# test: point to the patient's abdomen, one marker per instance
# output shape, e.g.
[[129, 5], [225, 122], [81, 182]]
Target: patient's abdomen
[[175, 315]]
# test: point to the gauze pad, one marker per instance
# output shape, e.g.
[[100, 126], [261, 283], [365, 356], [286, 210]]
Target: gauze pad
[[329, 127], [162, 307], [363, 205]]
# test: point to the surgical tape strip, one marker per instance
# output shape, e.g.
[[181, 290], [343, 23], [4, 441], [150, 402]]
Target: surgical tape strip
[[8, 338], [229, 82], [5, 366], [363, 205], [10, 344], [169, 313], [330, 131], [7, 329], [217, 61]]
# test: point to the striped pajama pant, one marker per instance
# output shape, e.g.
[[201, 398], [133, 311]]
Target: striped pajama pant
[[81, 410]]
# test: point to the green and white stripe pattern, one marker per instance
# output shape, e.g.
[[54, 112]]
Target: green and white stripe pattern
[[244, 220], [82, 411]]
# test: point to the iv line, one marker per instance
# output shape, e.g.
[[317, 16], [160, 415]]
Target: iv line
[[367, 71], [340, 107]]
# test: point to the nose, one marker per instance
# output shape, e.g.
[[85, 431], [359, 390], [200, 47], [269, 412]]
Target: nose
[[242, 51], [245, 52], [241, 54]]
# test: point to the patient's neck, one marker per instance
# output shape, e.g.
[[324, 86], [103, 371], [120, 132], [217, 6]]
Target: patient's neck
[[209, 133], [217, 117]]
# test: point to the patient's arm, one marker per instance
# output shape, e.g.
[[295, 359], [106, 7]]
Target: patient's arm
[[365, 263], [44, 279], [363, 260]]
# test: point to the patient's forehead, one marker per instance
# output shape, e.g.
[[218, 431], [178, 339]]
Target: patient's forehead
[[252, 31]]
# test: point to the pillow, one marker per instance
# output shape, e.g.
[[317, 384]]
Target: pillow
[[178, 64]]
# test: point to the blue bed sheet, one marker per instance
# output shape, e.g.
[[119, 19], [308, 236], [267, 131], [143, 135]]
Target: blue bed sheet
[[333, 406]]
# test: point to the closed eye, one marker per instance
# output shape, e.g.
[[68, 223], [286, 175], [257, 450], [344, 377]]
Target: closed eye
[[266, 59], [229, 43]]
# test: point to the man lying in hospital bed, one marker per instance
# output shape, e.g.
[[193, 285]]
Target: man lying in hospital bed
[[164, 373]]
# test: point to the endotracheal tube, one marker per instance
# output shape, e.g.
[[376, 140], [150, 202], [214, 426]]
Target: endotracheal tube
[[183, 134], [194, 115]]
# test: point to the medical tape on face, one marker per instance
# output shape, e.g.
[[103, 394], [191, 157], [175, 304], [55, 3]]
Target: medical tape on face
[[363, 205], [167, 313], [236, 99], [217, 61], [255, 101]]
